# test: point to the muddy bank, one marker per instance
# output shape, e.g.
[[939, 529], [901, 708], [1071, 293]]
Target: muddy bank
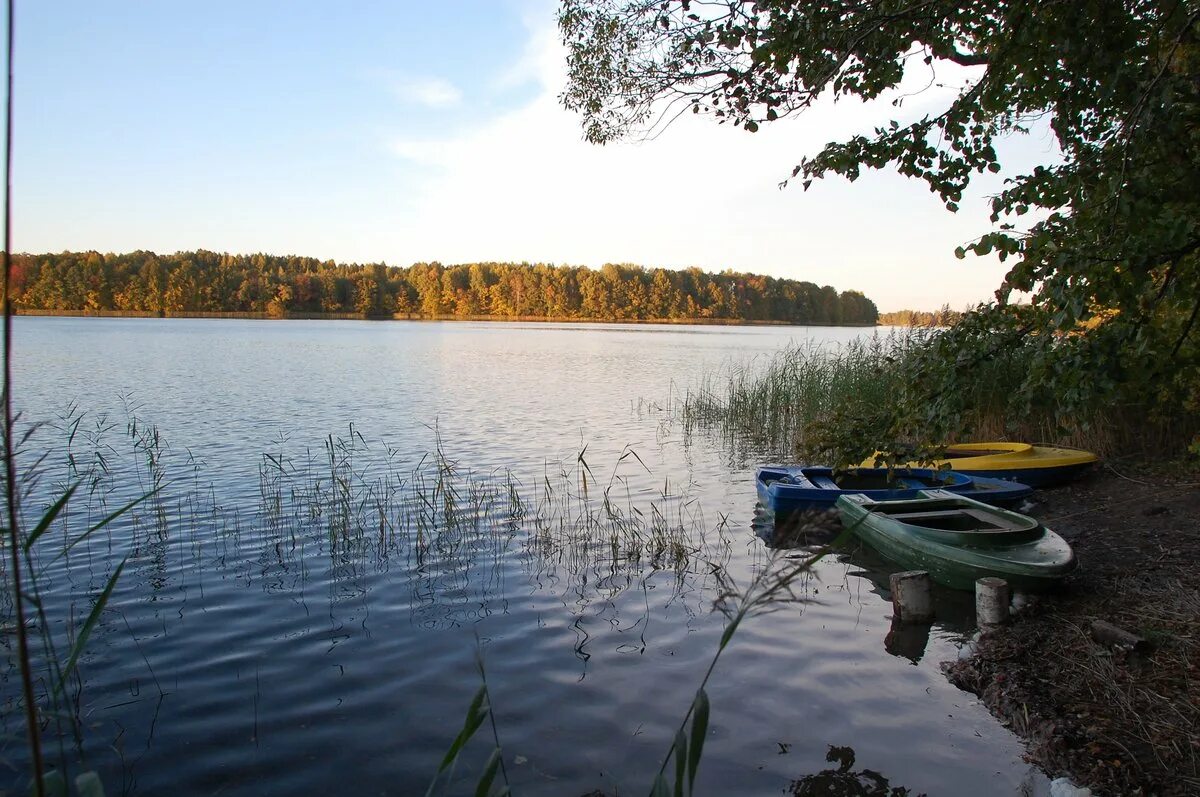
[[1118, 721]]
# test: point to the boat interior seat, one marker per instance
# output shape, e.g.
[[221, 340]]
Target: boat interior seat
[[987, 520], [823, 482], [926, 515]]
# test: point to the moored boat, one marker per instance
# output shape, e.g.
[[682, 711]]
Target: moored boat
[[784, 488], [959, 540], [1037, 466]]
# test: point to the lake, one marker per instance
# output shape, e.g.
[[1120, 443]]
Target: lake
[[351, 514]]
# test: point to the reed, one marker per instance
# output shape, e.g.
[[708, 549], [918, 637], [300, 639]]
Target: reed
[[353, 501], [359, 499], [840, 405], [52, 655], [776, 405]]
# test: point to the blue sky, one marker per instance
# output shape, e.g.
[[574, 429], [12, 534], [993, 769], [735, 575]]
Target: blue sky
[[404, 131]]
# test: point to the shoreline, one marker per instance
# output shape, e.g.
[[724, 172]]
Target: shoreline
[[1114, 720], [299, 316]]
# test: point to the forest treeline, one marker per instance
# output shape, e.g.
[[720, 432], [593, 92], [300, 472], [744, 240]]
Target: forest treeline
[[944, 317], [202, 281]]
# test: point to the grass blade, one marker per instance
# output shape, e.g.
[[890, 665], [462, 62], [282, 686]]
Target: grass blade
[[699, 731], [730, 630], [484, 786], [477, 712], [105, 522], [54, 783], [88, 785], [85, 632], [49, 517], [681, 758]]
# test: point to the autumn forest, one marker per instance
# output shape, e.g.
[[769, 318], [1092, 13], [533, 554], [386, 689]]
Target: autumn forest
[[145, 283]]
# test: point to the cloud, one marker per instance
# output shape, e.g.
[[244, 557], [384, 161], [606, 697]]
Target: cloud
[[523, 185], [431, 92], [542, 59]]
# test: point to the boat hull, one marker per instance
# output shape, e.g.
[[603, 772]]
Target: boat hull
[[1030, 557], [1036, 466], [1034, 477], [785, 489]]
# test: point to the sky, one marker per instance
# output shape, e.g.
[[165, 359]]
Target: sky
[[405, 132]]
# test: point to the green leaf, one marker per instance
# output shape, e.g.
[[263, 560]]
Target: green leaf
[[54, 784], [476, 713], [109, 519], [88, 784], [49, 517], [729, 632], [681, 746], [483, 787], [86, 631], [660, 788], [699, 732]]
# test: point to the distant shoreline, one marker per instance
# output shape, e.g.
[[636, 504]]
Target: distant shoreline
[[291, 316], [271, 286]]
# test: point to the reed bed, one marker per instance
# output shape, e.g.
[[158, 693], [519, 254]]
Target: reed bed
[[776, 405], [356, 500], [837, 405], [335, 512]]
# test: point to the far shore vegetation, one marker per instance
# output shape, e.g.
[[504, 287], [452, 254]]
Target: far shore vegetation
[[944, 317], [260, 285]]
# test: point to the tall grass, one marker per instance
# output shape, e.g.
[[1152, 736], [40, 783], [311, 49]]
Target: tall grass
[[368, 500], [357, 501], [839, 405], [774, 405], [53, 646], [354, 500], [358, 498]]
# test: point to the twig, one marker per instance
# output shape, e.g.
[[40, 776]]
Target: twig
[[1123, 476]]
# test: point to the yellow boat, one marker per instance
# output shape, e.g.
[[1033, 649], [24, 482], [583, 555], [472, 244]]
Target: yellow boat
[[1037, 466]]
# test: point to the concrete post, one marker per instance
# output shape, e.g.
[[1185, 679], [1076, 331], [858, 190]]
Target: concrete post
[[912, 596], [992, 597]]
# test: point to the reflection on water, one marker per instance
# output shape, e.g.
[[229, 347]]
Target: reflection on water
[[331, 532], [907, 640], [808, 529], [954, 610], [345, 518], [844, 782]]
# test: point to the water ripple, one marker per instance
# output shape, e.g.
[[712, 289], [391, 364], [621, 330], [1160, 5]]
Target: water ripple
[[351, 513]]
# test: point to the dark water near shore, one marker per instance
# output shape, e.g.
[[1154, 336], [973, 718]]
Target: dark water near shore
[[308, 621]]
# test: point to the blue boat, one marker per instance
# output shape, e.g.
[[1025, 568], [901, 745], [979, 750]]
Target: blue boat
[[791, 489]]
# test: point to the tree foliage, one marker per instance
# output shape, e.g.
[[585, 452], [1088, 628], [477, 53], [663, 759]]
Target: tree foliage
[[203, 281], [944, 317], [1110, 258]]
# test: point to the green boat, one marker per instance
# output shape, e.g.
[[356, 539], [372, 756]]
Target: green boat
[[959, 540]]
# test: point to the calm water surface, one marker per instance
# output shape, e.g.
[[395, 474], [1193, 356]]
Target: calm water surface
[[303, 601]]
